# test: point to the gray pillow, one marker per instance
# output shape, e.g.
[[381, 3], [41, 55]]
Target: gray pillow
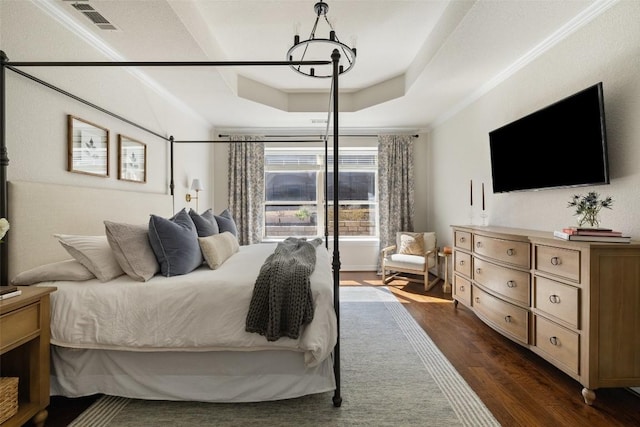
[[206, 223], [70, 270], [226, 223], [132, 249], [175, 243]]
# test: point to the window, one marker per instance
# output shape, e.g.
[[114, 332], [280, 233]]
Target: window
[[295, 193]]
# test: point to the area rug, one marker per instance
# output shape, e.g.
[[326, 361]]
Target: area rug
[[392, 375]]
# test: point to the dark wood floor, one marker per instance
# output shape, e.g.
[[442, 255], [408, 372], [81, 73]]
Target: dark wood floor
[[519, 387]]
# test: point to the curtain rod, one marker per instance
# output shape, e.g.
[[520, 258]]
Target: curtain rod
[[318, 136], [225, 141]]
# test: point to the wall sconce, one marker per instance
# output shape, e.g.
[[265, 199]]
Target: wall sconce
[[195, 186]]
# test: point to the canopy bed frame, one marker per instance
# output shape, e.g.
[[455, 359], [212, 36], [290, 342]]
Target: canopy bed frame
[[159, 201]]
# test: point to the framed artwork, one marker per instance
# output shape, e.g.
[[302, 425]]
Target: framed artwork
[[132, 160], [87, 147]]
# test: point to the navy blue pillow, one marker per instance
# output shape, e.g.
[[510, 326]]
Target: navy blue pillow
[[226, 223], [206, 223], [175, 243]]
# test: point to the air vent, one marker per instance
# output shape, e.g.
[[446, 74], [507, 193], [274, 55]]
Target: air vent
[[318, 120], [95, 16]]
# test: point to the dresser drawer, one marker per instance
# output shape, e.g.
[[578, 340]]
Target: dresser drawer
[[507, 251], [462, 290], [508, 318], [561, 345], [462, 263], [19, 326], [512, 284], [557, 300], [558, 261], [462, 239]]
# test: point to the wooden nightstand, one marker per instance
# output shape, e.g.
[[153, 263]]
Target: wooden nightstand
[[24, 351]]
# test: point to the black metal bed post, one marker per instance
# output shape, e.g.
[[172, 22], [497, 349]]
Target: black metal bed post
[[326, 192], [335, 57], [4, 162], [171, 183]]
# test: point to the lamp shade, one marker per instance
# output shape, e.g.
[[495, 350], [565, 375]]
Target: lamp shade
[[196, 185]]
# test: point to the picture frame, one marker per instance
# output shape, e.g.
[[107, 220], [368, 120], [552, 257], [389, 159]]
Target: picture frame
[[132, 159], [87, 147]]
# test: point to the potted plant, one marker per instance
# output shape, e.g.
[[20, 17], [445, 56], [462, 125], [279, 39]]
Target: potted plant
[[588, 208]]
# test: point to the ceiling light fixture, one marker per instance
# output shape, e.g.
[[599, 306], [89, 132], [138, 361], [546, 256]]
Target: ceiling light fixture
[[318, 49]]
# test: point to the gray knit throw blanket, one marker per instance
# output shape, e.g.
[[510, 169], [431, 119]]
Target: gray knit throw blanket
[[282, 303]]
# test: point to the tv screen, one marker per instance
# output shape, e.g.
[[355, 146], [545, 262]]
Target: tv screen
[[561, 145]]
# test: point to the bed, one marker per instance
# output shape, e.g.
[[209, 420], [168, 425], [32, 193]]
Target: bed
[[174, 365], [176, 338]]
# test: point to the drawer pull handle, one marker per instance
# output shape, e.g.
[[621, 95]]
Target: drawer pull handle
[[511, 284], [507, 319], [478, 245], [554, 341], [554, 299], [461, 262], [478, 299], [478, 271], [461, 287], [462, 240], [555, 261], [511, 252]]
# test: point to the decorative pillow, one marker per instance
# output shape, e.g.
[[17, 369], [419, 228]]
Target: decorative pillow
[[94, 253], [218, 248], [411, 244], [206, 223], [226, 223], [131, 247], [62, 270], [175, 243]]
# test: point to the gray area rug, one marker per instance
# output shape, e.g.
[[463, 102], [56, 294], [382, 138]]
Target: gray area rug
[[392, 375]]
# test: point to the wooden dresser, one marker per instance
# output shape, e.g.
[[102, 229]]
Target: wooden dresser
[[576, 304], [24, 351]]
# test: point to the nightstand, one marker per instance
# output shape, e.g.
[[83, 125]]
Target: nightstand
[[24, 351]]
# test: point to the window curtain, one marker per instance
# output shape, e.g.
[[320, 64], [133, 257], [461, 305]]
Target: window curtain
[[395, 186], [246, 186]]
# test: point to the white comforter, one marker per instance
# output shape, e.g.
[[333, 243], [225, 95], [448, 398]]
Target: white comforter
[[201, 311]]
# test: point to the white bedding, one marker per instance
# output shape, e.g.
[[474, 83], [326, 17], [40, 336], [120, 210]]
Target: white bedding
[[204, 310]]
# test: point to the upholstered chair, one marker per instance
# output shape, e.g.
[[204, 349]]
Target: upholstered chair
[[411, 258]]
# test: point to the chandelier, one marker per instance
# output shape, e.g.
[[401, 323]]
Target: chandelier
[[320, 48]]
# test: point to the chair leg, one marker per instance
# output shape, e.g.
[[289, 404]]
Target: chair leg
[[428, 285]]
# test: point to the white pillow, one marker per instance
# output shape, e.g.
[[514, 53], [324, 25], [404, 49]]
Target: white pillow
[[217, 248], [94, 253], [63, 270]]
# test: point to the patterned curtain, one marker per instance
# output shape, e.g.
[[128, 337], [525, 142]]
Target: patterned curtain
[[246, 186], [395, 186]]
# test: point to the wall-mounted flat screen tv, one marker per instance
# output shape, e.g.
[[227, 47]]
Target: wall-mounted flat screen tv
[[561, 145]]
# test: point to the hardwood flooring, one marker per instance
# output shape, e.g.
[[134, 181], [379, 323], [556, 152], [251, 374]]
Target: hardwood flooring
[[518, 387]]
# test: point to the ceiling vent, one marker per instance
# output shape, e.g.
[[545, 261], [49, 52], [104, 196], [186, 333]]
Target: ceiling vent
[[99, 21]]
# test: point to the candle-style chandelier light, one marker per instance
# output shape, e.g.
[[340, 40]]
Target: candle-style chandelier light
[[316, 48]]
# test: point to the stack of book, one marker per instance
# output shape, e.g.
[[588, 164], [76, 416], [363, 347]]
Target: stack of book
[[592, 235], [9, 291]]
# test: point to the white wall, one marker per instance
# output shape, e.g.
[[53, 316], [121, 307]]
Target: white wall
[[36, 126], [607, 50]]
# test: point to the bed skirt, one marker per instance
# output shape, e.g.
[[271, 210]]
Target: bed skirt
[[218, 376]]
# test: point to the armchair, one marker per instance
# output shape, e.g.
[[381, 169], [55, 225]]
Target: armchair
[[413, 253]]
